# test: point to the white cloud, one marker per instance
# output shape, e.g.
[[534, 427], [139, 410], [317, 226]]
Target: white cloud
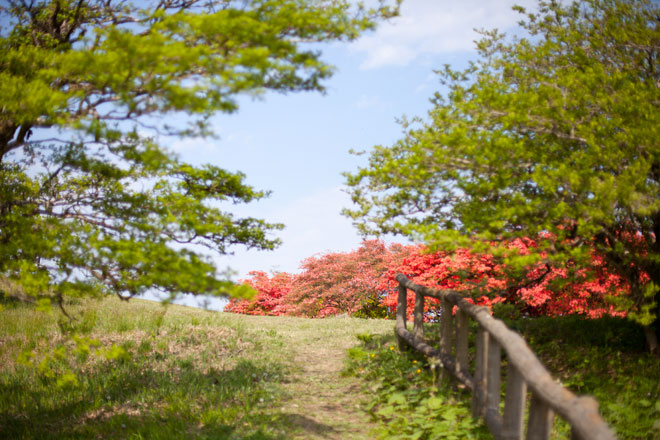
[[314, 225], [199, 145], [434, 27], [428, 83]]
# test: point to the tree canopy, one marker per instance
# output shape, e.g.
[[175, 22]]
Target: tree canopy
[[552, 135], [90, 201]]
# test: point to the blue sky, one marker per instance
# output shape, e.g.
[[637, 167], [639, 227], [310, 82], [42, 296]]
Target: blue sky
[[297, 145]]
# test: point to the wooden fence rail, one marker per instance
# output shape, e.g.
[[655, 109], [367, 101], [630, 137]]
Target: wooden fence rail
[[524, 370]]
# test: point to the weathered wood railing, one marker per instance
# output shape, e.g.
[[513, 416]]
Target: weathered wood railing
[[524, 370]]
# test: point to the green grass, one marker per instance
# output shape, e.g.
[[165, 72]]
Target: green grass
[[181, 373], [139, 370], [405, 395], [605, 358], [178, 372]]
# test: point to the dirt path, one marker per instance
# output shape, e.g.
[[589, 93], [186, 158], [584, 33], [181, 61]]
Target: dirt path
[[324, 404]]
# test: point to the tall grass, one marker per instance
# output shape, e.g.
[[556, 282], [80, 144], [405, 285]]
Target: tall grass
[[144, 371], [177, 372], [174, 373]]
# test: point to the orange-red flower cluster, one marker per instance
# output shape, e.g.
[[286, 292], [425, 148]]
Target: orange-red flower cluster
[[361, 282]]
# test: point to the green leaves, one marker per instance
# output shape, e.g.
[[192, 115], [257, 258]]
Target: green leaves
[[552, 134], [90, 203]]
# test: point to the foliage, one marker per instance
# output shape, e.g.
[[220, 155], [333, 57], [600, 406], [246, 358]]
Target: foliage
[[90, 202], [604, 358], [551, 136], [405, 397], [362, 283]]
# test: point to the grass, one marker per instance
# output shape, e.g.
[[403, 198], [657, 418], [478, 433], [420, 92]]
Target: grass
[[174, 372], [179, 372], [405, 396], [605, 358]]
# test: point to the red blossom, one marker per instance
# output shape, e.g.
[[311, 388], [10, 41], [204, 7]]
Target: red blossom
[[271, 291], [361, 282]]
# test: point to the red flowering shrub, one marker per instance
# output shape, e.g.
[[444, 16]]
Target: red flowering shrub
[[328, 284], [541, 290], [270, 293], [342, 282], [361, 283], [477, 275]]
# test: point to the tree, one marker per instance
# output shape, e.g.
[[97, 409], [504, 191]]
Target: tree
[[90, 202], [553, 136]]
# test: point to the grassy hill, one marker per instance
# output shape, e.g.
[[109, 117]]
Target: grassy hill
[[178, 373], [140, 370]]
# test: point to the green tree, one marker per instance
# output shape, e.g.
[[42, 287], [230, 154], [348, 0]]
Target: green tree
[[554, 135], [90, 202]]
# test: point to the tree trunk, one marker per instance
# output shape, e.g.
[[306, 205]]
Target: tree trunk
[[651, 340]]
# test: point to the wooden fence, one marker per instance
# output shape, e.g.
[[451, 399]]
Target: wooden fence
[[524, 370]]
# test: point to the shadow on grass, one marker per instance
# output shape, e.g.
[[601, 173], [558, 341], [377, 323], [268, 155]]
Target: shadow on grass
[[310, 426], [129, 400]]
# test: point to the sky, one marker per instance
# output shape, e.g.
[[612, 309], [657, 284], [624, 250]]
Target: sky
[[297, 145]]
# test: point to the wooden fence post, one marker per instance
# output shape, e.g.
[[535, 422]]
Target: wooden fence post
[[514, 404], [493, 389], [461, 341], [540, 420], [588, 402], [575, 435], [479, 391], [524, 370], [418, 331], [447, 328], [401, 315]]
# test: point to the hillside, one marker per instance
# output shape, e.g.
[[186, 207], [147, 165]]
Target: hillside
[[185, 373], [179, 373]]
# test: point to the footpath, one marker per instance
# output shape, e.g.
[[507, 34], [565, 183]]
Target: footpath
[[322, 403]]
